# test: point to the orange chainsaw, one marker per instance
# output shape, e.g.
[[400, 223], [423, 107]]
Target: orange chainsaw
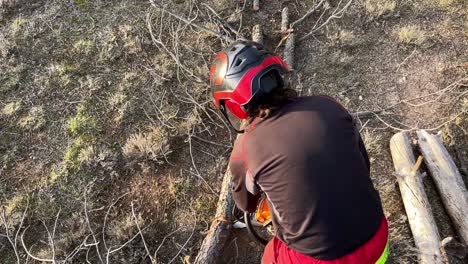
[[259, 222]]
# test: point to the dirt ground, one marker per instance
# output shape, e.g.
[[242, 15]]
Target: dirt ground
[[111, 150]]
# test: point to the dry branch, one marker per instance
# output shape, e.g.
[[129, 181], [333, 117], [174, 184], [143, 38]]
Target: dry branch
[[418, 209], [285, 20], [191, 23], [224, 23], [310, 12], [447, 179], [288, 52], [337, 13]]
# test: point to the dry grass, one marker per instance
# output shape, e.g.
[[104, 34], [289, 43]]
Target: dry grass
[[411, 34], [377, 8], [153, 145], [34, 119], [343, 38], [11, 108]]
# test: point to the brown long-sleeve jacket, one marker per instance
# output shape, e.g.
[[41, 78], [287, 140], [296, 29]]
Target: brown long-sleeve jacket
[[310, 161]]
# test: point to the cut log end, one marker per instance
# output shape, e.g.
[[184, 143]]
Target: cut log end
[[257, 34], [256, 5]]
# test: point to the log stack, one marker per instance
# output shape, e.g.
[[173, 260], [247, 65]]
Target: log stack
[[448, 180], [418, 209], [451, 188]]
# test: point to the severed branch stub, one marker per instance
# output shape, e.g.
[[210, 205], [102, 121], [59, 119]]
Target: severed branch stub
[[448, 180], [285, 20], [256, 5], [418, 209], [288, 52], [257, 34]]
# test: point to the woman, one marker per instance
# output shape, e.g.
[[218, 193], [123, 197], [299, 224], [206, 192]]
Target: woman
[[306, 155]]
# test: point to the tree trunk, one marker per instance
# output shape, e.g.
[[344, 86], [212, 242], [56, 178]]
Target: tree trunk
[[447, 179], [289, 50], [215, 240], [418, 210], [285, 20]]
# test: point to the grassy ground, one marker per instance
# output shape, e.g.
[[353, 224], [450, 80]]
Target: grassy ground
[[105, 140]]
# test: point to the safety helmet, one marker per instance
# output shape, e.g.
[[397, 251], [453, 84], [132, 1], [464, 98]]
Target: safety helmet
[[242, 73]]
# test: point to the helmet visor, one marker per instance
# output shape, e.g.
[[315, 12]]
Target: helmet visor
[[233, 114]]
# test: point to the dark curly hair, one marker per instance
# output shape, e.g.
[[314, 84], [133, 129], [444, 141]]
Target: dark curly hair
[[266, 104]]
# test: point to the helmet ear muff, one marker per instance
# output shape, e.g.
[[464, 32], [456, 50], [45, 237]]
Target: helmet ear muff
[[235, 109]]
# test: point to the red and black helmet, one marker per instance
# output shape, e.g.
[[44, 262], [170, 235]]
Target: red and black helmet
[[243, 72]]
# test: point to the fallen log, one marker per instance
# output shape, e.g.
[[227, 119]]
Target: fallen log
[[448, 180], [288, 52], [213, 244], [285, 20], [418, 209]]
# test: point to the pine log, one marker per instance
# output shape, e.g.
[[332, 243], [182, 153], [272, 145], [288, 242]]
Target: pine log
[[257, 34], [285, 20], [418, 209], [214, 242], [288, 52], [448, 180]]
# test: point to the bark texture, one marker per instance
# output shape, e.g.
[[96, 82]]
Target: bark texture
[[418, 209], [214, 242], [448, 180]]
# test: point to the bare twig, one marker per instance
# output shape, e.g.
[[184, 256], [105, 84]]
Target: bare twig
[[195, 166], [161, 45], [310, 12], [164, 239], [141, 234], [188, 22], [185, 244], [29, 253], [112, 250], [219, 19], [365, 114], [105, 219], [13, 242], [337, 13], [96, 243]]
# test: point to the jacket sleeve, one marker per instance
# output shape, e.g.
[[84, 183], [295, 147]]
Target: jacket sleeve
[[244, 200]]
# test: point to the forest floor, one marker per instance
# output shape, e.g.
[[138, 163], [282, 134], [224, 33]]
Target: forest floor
[[112, 152]]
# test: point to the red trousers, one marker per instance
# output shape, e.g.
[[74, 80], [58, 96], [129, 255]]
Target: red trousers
[[276, 252]]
